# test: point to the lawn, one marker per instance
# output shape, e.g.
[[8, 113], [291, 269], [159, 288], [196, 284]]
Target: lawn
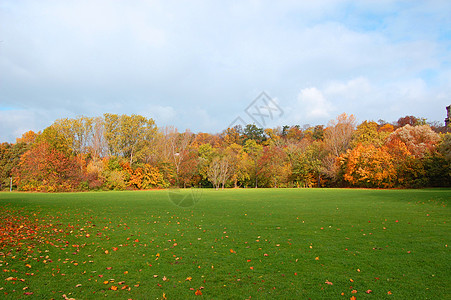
[[231, 244]]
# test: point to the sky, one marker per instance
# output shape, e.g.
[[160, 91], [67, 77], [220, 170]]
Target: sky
[[208, 65]]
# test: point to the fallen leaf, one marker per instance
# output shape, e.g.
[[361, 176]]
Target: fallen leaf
[[368, 291], [328, 282], [317, 258], [198, 293], [113, 287], [188, 278], [78, 285]]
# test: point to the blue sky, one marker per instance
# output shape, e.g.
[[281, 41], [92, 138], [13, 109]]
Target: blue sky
[[199, 64]]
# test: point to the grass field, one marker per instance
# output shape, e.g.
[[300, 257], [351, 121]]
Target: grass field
[[232, 244]]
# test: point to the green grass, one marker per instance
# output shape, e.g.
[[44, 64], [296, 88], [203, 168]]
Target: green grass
[[235, 244]]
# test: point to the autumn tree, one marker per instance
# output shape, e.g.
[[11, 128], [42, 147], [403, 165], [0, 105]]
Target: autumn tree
[[43, 168], [179, 143], [337, 139], [368, 133], [232, 136], [274, 169], [420, 140], [254, 152], [214, 172], [368, 166], [128, 136], [237, 160], [252, 132], [28, 138]]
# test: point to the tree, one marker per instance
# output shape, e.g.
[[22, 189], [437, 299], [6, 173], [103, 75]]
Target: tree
[[232, 136], [273, 167], [43, 168], [407, 120], [337, 139], [254, 152], [338, 134], [214, 172], [99, 146], [237, 159], [252, 132], [28, 138], [56, 140], [420, 140], [306, 168], [368, 166], [409, 169], [178, 145], [128, 136], [189, 174], [368, 132]]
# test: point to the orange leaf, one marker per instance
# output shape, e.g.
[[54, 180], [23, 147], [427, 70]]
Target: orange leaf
[[198, 293], [353, 298], [188, 278], [113, 287]]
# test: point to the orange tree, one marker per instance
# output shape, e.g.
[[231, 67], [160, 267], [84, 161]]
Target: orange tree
[[368, 166], [43, 168]]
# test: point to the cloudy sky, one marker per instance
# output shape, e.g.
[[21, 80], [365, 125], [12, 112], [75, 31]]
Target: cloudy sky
[[200, 64]]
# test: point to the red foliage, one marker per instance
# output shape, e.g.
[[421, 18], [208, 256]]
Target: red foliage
[[43, 168]]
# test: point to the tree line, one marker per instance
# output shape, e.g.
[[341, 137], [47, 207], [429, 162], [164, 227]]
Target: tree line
[[117, 152]]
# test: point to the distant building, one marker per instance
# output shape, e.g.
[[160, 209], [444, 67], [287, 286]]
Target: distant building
[[448, 116]]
